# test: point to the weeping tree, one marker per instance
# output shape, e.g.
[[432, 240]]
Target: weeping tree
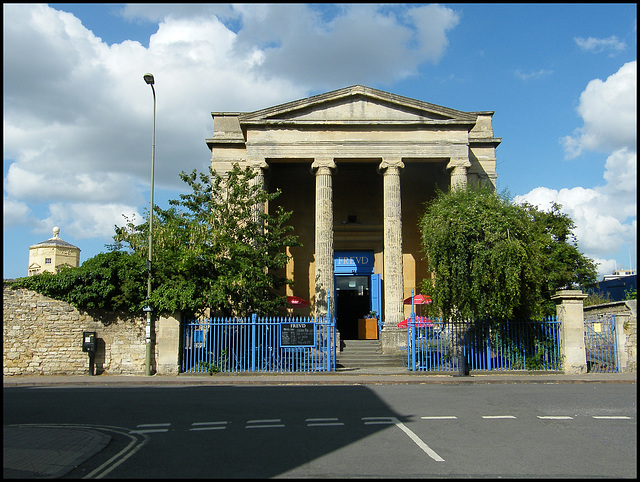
[[493, 260], [216, 247]]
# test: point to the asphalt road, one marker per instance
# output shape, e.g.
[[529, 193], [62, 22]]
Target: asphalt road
[[400, 431]]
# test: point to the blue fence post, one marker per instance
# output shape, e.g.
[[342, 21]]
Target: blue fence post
[[488, 338], [253, 342], [615, 344], [332, 326], [409, 345], [413, 333]]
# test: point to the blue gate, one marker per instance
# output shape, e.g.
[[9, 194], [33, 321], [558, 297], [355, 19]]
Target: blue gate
[[255, 344], [436, 345], [600, 342]]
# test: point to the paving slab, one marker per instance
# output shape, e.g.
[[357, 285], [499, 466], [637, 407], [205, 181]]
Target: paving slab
[[47, 452]]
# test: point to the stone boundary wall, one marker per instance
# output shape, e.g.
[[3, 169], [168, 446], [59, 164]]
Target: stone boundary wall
[[627, 319], [43, 336]]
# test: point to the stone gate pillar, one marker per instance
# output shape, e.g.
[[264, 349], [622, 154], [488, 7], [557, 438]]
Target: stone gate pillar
[[324, 234], [393, 276], [168, 345], [569, 310]]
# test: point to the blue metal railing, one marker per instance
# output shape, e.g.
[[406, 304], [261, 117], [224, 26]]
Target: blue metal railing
[[600, 343], [257, 344], [436, 345]]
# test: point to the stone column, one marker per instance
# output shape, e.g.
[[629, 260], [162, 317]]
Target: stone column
[[459, 166], [569, 310], [324, 234], [258, 168], [393, 276]]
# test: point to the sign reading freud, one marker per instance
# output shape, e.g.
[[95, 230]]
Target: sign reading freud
[[353, 262]]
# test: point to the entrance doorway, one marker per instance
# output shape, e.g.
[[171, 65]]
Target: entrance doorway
[[353, 301]]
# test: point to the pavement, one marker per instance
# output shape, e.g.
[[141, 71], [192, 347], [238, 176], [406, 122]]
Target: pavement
[[54, 451]]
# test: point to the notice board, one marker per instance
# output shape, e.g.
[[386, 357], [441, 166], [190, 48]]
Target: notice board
[[297, 334]]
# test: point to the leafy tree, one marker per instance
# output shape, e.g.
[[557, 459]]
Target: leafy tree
[[216, 247], [493, 260], [108, 281], [563, 265]]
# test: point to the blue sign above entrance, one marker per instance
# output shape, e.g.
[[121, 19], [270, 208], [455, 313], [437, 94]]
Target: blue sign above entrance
[[353, 262]]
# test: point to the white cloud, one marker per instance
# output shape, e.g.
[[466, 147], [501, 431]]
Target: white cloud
[[605, 215], [608, 110], [89, 220], [78, 115], [597, 45], [360, 41], [45, 184], [532, 75], [14, 212], [432, 23], [601, 229]]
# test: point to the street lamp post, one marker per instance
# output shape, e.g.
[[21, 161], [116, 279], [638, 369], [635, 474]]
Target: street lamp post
[[148, 78]]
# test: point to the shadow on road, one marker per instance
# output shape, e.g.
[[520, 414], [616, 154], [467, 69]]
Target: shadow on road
[[224, 431]]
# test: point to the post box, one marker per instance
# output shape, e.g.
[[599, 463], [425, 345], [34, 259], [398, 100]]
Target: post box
[[89, 341]]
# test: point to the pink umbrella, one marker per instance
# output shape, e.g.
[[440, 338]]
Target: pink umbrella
[[295, 302]]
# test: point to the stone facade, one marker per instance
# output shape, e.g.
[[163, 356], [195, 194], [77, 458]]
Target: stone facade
[[42, 336], [52, 254], [356, 166]]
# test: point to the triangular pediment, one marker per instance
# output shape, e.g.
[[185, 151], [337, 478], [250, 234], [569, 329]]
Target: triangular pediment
[[358, 104]]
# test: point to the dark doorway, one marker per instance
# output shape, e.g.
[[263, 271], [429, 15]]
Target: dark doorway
[[353, 301]]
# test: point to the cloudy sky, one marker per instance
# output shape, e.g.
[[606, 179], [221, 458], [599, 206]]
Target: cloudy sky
[[78, 114]]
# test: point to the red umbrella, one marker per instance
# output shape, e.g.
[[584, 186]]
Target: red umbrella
[[418, 300], [295, 302]]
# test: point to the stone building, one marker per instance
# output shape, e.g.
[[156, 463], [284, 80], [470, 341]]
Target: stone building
[[356, 166], [52, 254]]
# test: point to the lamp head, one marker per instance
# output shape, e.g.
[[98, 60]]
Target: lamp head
[[148, 78]]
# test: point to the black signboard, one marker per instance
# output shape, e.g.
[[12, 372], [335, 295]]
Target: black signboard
[[297, 334]]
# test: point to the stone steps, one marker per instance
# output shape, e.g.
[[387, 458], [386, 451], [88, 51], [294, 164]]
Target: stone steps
[[366, 353]]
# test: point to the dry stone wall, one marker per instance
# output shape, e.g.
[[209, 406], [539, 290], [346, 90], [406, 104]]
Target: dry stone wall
[[43, 336]]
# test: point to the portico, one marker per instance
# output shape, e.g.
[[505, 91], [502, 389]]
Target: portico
[[356, 166]]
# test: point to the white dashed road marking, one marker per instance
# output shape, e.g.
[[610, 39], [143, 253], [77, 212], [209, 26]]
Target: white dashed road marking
[[203, 426], [270, 423], [151, 428], [147, 428], [323, 422], [612, 417]]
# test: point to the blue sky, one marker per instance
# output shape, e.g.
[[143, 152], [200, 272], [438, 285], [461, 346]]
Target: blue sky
[[561, 80]]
